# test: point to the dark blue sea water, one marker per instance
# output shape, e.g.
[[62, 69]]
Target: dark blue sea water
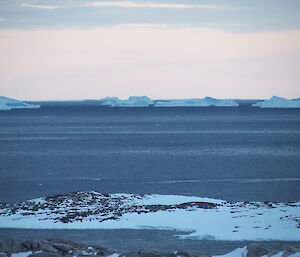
[[229, 153]]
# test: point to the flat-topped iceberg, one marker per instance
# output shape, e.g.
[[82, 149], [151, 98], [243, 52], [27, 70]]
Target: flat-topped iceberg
[[197, 102], [278, 102], [132, 101], [9, 103]]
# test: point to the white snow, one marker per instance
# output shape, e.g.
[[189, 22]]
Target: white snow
[[227, 221], [21, 254], [279, 254], [278, 102], [242, 252], [170, 199], [295, 255], [197, 102], [132, 101], [8, 104], [239, 252]]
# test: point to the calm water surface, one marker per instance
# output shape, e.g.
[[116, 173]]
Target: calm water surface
[[229, 153]]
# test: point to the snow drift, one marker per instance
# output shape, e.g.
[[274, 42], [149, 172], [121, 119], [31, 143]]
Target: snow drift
[[8, 104]]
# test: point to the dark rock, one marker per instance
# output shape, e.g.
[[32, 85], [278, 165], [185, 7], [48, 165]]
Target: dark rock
[[45, 254], [148, 254], [64, 248], [256, 250], [190, 254], [9, 245], [64, 241], [33, 245], [48, 248], [3, 254], [260, 249]]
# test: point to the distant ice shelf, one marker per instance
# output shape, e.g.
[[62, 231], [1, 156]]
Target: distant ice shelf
[[197, 102], [9, 104], [132, 101], [278, 102], [144, 101], [204, 218]]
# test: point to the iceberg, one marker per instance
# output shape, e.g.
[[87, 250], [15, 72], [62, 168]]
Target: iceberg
[[110, 101], [278, 102], [9, 103], [197, 102], [132, 101]]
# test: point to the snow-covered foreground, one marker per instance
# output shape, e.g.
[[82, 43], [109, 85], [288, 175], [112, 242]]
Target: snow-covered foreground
[[278, 102], [240, 252], [8, 104], [205, 218], [197, 102]]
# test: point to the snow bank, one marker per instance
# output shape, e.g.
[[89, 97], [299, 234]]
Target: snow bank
[[197, 102], [204, 218], [132, 101], [8, 104], [278, 102], [239, 252], [21, 254]]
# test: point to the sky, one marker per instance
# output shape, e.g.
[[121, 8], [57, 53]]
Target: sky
[[90, 49]]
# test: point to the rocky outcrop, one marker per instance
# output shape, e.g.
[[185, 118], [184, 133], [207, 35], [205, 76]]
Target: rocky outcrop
[[50, 247], [204, 218], [67, 248], [78, 206], [270, 249]]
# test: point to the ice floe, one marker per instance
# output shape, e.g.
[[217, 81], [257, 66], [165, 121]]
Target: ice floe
[[278, 102], [204, 218], [9, 103], [197, 102]]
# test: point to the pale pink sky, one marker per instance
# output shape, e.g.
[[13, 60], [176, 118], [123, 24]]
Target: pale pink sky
[[158, 61]]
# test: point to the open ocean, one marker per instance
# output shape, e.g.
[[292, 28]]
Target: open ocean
[[227, 153]]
